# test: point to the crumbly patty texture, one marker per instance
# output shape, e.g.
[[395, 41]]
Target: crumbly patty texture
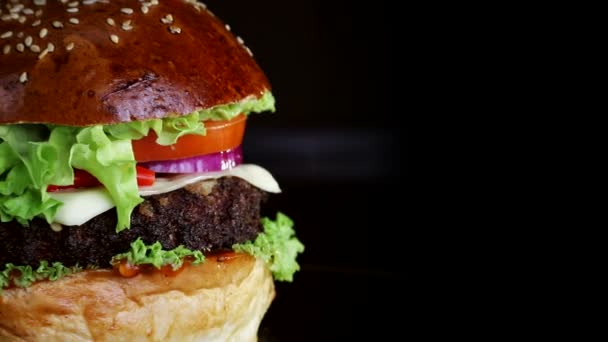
[[206, 216]]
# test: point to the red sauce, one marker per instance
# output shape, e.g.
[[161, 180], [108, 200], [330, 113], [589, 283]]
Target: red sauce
[[128, 271], [225, 256]]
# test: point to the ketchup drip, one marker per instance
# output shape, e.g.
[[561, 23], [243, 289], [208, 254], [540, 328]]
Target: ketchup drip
[[127, 270]]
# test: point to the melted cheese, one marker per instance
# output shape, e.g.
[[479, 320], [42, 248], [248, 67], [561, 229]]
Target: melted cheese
[[253, 174], [79, 206]]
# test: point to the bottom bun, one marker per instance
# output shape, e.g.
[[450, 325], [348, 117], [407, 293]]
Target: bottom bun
[[223, 299]]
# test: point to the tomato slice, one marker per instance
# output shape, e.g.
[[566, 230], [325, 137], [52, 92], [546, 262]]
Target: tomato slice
[[83, 179], [221, 136]]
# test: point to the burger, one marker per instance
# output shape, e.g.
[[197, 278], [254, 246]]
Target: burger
[[127, 211]]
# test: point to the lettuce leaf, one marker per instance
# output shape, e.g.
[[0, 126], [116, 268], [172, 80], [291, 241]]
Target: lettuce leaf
[[142, 254], [24, 276], [112, 162], [169, 129], [33, 156], [277, 246]]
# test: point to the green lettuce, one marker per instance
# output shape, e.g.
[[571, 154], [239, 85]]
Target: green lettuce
[[33, 156], [142, 254], [24, 276], [112, 162], [277, 246], [168, 130]]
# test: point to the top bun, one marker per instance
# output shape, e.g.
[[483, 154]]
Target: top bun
[[90, 62]]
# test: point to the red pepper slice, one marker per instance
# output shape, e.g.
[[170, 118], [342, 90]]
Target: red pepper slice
[[83, 179]]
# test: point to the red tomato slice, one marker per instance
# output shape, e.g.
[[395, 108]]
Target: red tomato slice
[[83, 179], [221, 136]]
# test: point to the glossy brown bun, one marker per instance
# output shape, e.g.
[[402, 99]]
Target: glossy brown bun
[[172, 60], [221, 300]]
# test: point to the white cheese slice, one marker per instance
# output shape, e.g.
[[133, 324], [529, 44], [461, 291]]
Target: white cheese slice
[[253, 174], [79, 206]]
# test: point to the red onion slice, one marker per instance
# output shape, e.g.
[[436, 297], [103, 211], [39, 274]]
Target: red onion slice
[[206, 163]]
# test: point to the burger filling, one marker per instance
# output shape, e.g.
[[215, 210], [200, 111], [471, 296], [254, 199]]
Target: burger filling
[[176, 184], [228, 215], [34, 157]]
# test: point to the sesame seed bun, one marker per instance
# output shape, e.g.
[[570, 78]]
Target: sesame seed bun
[[92, 62], [97, 62], [219, 300]]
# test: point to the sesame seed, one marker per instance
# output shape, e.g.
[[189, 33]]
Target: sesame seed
[[50, 47], [21, 19], [227, 27], [20, 47], [73, 4], [240, 40], [110, 22], [114, 38], [14, 16], [5, 18], [72, 10], [38, 13], [6, 34], [23, 77], [168, 19], [69, 47], [28, 41], [39, 2], [249, 51], [175, 29], [43, 32], [126, 10], [36, 23], [20, 34], [43, 53], [127, 25], [74, 21], [144, 9], [35, 48], [28, 11], [153, 2], [64, 1], [57, 24], [6, 49], [197, 5], [17, 8], [89, 2]]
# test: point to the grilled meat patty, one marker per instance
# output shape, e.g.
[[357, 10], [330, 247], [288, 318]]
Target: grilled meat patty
[[208, 215]]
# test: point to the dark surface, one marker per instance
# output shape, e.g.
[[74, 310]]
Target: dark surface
[[335, 145], [191, 216]]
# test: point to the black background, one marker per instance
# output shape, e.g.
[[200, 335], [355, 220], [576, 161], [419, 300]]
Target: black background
[[336, 147]]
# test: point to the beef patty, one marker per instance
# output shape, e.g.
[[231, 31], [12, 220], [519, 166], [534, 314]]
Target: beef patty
[[204, 216]]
